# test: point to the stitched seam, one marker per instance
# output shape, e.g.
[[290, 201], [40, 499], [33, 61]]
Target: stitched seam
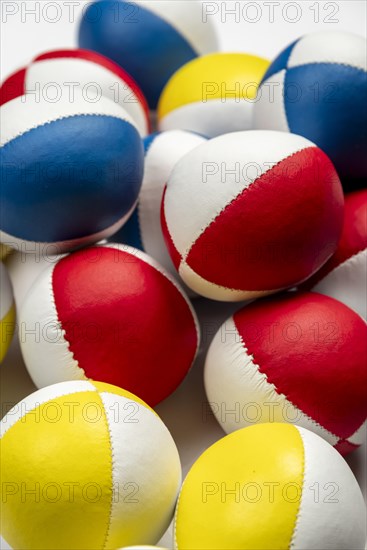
[[361, 69], [237, 197], [112, 463], [166, 223], [49, 122], [72, 359], [280, 393], [298, 515], [37, 405], [283, 103], [257, 292]]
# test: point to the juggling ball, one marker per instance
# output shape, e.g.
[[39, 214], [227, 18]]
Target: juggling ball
[[344, 276], [150, 40], [213, 94], [71, 172], [317, 87], [7, 312], [60, 72], [13, 86], [143, 230], [270, 486], [250, 213], [109, 313], [300, 358], [86, 465]]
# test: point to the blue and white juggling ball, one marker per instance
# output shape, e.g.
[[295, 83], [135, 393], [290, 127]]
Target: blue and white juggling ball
[[317, 88], [143, 230], [150, 40], [71, 171]]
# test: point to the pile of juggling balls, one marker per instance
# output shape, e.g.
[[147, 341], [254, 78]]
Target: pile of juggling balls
[[158, 171]]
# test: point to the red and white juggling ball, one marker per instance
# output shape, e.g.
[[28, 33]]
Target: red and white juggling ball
[[250, 213], [298, 358], [59, 72], [344, 276], [109, 313]]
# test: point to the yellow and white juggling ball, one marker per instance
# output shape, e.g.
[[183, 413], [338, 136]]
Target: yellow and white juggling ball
[[213, 94], [7, 312], [142, 548], [270, 486], [86, 465]]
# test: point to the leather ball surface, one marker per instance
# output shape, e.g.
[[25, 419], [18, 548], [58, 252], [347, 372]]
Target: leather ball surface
[[104, 469], [109, 313], [150, 40], [270, 486], [344, 275], [71, 171], [299, 358], [250, 213], [316, 87], [143, 230], [95, 76], [213, 94], [7, 311]]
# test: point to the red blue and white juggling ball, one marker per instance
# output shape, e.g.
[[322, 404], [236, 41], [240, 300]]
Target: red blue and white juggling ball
[[283, 359], [59, 72], [112, 314], [150, 40], [250, 213], [344, 276], [317, 88], [71, 171], [143, 230]]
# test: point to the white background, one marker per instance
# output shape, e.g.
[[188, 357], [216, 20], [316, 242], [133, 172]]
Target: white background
[[263, 28]]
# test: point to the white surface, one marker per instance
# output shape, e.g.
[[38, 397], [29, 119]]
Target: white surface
[[143, 452], [263, 29], [211, 119], [23, 114], [330, 47], [338, 513], [201, 37], [43, 341], [347, 283], [162, 155], [94, 79], [269, 109]]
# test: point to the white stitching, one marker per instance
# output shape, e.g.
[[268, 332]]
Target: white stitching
[[21, 134], [228, 204], [298, 515], [112, 457], [282, 395], [73, 362]]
